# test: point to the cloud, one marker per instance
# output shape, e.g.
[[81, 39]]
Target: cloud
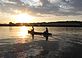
[[59, 7], [7, 1], [53, 7]]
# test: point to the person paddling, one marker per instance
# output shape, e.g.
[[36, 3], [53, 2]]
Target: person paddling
[[32, 32], [46, 30], [46, 34], [32, 29]]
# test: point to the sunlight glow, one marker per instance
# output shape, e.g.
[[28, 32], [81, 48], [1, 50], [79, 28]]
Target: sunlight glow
[[23, 32], [23, 18], [23, 36]]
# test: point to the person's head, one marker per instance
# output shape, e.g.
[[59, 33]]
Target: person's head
[[32, 27], [46, 28]]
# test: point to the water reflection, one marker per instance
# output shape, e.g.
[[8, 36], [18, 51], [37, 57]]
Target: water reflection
[[65, 43], [23, 32]]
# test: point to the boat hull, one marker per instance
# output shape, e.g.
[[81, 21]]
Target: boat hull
[[40, 33]]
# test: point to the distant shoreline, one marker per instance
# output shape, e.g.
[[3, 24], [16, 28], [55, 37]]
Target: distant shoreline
[[41, 26], [48, 24]]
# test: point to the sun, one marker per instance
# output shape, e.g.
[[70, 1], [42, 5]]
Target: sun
[[23, 18]]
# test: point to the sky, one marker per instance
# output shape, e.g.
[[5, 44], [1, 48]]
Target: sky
[[42, 10]]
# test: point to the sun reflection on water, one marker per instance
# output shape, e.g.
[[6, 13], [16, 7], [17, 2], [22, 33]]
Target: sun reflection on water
[[23, 32]]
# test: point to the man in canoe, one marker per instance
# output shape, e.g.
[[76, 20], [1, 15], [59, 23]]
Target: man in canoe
[[46, 34], [32, 29], [46, 30], [32, 32]]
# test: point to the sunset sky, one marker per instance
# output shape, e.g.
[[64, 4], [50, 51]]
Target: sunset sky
[[40, 10]]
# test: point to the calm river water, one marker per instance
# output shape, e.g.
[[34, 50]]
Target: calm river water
[[15, 42]]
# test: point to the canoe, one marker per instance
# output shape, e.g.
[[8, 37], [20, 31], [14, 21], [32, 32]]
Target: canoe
[[40, 33]]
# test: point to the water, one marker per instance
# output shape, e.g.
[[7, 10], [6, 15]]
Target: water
[[15, 42]]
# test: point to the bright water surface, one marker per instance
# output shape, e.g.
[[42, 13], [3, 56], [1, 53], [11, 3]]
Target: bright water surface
[[65, 37], [12, 35]]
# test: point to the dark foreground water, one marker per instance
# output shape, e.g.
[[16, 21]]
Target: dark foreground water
[[65, 42]]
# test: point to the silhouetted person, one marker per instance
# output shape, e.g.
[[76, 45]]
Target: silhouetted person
[[46, 34], [32, 29], [32, 32], [46, 30]]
